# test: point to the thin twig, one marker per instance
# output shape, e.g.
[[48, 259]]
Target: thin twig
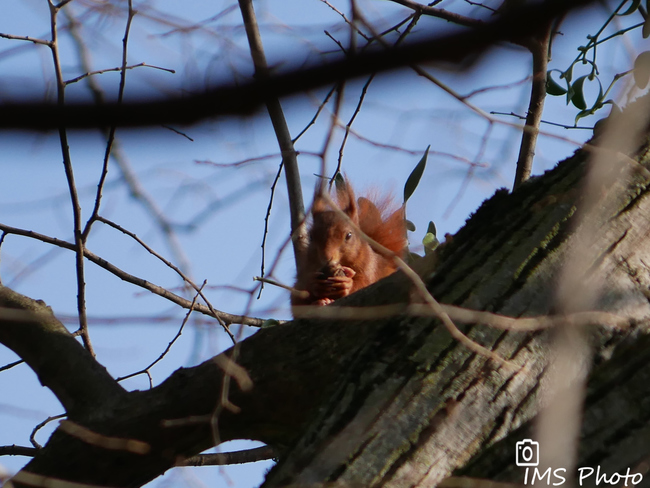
[[227, 318], [414, 152], [108, 70], [112, 130], [334, 121], [464, 315], [11, 365], [236, 457], [173, 267], [267, 217], [93, 438], [169, 346], [315, 117], [538, 47], [136, 189], [299, 293], [440, 13], [346, 20], [364, 90], [470, 171], [338, 43], [421, 72], [348, 126], [69, 173], [282, 134], [26, 38], [180, 133], [556, 124], [32, 436], [487, 89], [254, 159]]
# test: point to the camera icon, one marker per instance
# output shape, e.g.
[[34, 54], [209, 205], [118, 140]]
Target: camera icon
[[527, 453]]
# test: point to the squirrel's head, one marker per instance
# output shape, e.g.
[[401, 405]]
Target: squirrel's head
[[334, 240]]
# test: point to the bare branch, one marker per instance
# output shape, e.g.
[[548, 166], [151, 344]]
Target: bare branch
[[185, 278], [440, 13], [40, 425], [513, 26], [289, 159], [136, 189], [112, 130], [26, 38], [169, 346], [235, 457], [108, 70], [72, 188], [467, 316], [10, 365], [227, 318], [94, 439], [30, 330], [15, 450], [539, 47]]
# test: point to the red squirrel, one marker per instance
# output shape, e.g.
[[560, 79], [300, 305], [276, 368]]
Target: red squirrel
[[338, 260]]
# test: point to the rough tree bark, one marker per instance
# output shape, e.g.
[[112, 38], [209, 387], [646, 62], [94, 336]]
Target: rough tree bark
[[392, 402]]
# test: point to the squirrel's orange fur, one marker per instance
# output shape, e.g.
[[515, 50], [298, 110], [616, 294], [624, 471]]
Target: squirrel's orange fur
[[338, 260]]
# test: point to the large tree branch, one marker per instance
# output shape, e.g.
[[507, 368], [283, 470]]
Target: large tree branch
[[464, 47], [182, 416], [29, 328], [397, 422]]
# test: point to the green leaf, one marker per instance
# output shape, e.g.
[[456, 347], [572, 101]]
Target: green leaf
[[552, 86], [339, 182], [410, 225], [578, 96], [430, 242], [632, 8], [414, 178], [598, 104], [583, 113], [269, 323], [569, 92], [568, 74], [642, 68], [432, 229]]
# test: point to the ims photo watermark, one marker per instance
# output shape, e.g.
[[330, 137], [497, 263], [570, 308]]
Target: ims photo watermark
[[527, 456]]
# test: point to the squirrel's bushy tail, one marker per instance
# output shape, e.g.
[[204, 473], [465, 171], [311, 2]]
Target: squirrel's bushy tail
[[383, 223]]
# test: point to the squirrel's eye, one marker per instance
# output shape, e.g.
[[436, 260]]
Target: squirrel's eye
[[348, 236]]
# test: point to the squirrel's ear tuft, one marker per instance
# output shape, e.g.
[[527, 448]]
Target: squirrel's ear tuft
[[347, 202], [319, 205]]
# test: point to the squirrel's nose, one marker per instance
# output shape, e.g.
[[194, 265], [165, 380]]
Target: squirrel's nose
[[329, 267]]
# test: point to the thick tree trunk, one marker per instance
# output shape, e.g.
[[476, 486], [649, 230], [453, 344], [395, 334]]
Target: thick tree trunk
[[415, 405], [391, 402]]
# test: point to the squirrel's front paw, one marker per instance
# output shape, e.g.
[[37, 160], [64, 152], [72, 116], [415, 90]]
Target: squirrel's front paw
[[334, 287]]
